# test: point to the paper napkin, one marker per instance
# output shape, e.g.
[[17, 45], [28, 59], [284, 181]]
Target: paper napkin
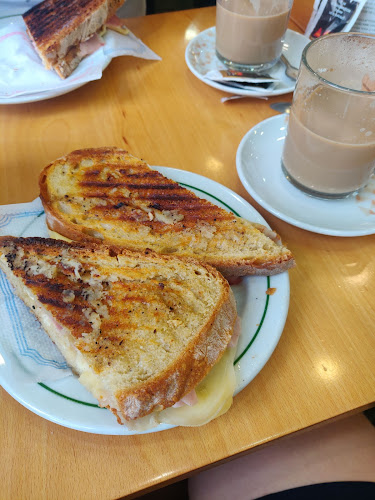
[[22, 339]]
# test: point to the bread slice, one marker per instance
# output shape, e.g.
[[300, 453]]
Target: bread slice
[[106, 194], [139, 329], [58, 27]]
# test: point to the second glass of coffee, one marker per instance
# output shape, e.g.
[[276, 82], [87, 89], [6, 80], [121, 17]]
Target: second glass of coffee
[[250, 33], [329, 149]]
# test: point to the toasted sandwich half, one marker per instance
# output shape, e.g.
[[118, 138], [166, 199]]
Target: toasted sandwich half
[[63, 32], [106, 194], [143, 332]]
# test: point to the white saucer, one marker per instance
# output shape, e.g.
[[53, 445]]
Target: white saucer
[[200, 56], [259, 168]]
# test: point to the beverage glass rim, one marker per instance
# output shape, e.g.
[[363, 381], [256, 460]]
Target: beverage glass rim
[[290, 5], [325, 80]]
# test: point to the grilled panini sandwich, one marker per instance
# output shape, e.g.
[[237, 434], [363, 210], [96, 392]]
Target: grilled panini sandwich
[[141, 331], [109, 195], [63, 32]]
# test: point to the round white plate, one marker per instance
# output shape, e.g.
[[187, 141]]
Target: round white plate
[[259, 168], [66, 401], [97, 57], [200, 56]]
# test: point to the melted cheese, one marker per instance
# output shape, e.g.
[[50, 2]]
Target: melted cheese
[[215, 396]]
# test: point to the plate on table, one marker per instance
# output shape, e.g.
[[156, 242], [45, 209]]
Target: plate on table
[[69, 84], [200, 56], [66, 401], [258, 162]]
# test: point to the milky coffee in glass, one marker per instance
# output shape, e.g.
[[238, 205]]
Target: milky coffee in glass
[[249, 33], [329, 150]]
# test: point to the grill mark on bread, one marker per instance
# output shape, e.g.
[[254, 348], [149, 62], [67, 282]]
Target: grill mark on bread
[[91, 173], [52, 301], [51, 287], [104, 184], [48, 17], [141, 187], [145, 187], [119, 205], [141, 175], [131, 213], [163, 197], [71, 320], [185, 205]]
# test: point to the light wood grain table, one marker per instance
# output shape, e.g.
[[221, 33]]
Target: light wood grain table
[[323, 366]]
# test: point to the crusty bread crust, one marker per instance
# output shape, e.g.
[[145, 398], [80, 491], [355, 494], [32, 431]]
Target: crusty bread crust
[[128, 206], [96, 369]]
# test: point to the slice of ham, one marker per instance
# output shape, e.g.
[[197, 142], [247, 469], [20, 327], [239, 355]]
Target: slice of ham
[[234, 280], [91, 45], [116, 24], [114, 21], [189, 399], [57, 324]]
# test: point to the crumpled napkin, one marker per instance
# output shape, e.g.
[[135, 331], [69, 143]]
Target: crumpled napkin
[[22, 71], [22, 339]]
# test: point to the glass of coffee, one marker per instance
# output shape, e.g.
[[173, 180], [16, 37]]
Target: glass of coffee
[[250, 33], [329, 150]]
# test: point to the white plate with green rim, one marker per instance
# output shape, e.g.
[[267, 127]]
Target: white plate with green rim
[[66, 402]]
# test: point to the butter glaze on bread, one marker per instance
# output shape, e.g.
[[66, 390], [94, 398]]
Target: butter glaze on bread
[[140, 330], [106, 194]]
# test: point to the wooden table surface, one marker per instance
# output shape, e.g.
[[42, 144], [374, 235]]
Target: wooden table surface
[[323, 366]]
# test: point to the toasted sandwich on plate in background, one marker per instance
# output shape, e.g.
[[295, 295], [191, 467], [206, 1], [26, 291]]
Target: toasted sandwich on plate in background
[[145, 333], [63, 32], [106, 194]]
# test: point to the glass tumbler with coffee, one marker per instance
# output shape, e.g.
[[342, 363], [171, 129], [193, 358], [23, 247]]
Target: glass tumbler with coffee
[[250, 33], [329, 150]]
